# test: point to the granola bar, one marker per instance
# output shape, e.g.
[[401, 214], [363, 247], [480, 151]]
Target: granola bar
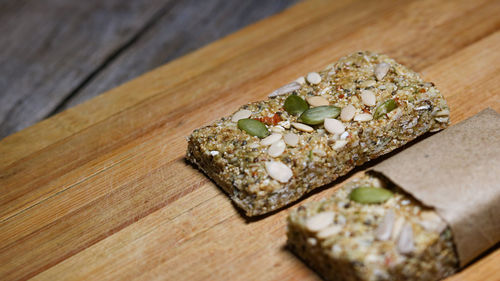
[[309, 132], [399, 239]]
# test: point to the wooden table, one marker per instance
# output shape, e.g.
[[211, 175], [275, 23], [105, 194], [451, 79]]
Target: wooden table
[[102, 191], [57, 54]]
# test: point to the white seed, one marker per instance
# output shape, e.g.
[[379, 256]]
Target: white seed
[[339, 144], [329, 231], [320, 221], [324, 91], [313, 78], [285, 89], [242, 114], [405, 240], [367, 84], [277, 129], [347, 113], [423, 107], [432, 222], [317, 101], [312, 241], [384, 229], [276, 149], [398, 224], [381, 70], [279, 171], [444, 112], [363, 117], [271, 139], [344, 135], [442, 119], [302, 127], [214, 152], [291, 139], [301, 80], [334, 126], [285, 124], [368, 97]]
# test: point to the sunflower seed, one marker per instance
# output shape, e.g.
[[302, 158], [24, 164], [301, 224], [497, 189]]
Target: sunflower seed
[[313, 78], [368, 97], [291, 139], [381, 70], [339, 144], [363, 117], [270, 139], [288, 88], [279, 171], [242, 114], [320, 221], [301, 80], [317, 101], [405, 241], [347, 113], [329, 231], [384, 229], [334, 126], [276, 149], [302, 127]]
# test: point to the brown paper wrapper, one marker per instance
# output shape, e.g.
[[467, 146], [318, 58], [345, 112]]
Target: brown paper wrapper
[[457, 171]]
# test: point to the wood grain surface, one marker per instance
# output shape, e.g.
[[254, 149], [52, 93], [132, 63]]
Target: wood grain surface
[[56, 54], [102, 191]]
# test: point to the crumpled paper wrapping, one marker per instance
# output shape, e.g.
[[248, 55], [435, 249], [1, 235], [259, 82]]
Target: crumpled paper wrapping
[[457, 171]]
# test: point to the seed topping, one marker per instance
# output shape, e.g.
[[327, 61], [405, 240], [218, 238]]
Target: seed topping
[[279, 171]]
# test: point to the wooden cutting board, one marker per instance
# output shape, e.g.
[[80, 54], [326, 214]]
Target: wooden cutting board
[[102, 191]]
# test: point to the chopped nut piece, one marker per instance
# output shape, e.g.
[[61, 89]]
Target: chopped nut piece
[[317, 101], [363, 117], [320, 221], [334, 126], [301, 80], [339, 144], [313, 78], [276, 149], [396, 229], [381, 70], [302, 127], [384, 229], [329, 231], [368, 97], [277, 129], [405, 240], [271, 139], [444, 112], [279, 171], [288, 88], [291, 139], [368, 83], [347, 113], [432, 222], [242, 114]]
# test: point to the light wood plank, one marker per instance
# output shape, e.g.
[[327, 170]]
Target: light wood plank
[[227, 242]]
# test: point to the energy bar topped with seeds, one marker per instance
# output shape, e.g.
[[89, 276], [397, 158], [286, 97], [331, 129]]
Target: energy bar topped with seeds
[[316, 129], [371, 230]]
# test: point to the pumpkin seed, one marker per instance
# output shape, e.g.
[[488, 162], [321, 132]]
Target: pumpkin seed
[[317, 115], [368, 195], [253, 127], [295, 105], [384, 108]]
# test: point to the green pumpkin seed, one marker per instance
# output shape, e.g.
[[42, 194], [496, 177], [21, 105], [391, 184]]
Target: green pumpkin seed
[[384, 108], [317, 115], [253, 127], [295, 105], [368, 195]]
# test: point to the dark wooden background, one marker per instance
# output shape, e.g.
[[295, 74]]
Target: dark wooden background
[[55, 54]]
